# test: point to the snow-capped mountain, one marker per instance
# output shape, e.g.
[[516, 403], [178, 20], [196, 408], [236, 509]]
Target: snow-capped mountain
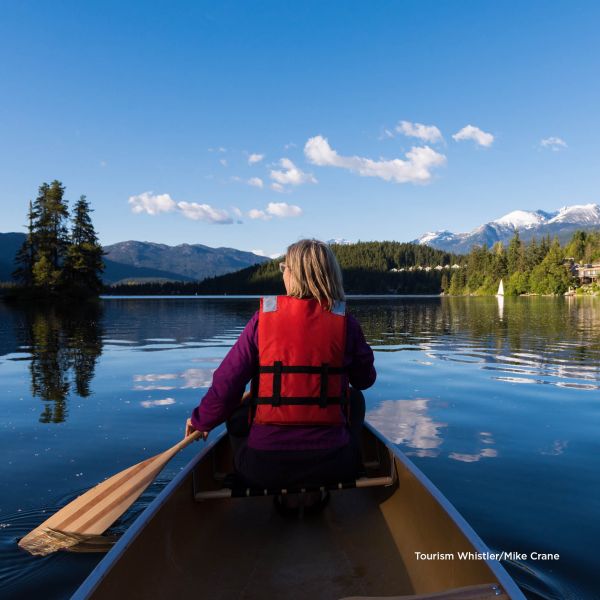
[[561, 223], [342, 241]]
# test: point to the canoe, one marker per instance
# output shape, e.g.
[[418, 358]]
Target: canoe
[[203, 539]]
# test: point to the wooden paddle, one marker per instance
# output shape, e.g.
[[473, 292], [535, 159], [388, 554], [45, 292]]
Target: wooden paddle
[[95, 511]]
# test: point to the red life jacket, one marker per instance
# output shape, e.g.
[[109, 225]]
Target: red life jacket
[[301, 349]]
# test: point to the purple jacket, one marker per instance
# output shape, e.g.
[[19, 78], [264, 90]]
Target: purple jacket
[[241, 364]]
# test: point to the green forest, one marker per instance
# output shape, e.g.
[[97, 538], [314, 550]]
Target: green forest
[[61, 257], [537, 267], [367, 269]]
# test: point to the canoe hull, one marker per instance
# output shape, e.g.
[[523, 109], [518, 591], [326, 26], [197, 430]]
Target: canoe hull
[[363, 544]]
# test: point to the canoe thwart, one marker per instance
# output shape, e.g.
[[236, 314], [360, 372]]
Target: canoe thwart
[[232, 487], [243, 492]]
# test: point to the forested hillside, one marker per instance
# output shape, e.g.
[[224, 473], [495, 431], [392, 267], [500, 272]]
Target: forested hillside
[[367, 269], [539, 267]]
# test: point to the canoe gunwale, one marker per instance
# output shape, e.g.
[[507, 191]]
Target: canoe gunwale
[[105, 565], [93, 580], [504, 579]]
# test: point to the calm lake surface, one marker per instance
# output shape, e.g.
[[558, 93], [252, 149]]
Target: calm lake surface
[[497, 402]]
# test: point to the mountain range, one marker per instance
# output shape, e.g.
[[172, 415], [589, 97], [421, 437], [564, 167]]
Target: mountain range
[[143, 261], [562, 223]]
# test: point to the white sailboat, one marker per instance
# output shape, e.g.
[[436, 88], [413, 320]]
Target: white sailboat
[[500, 291]]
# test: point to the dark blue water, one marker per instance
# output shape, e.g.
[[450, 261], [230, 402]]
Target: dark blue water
[[499, 404]]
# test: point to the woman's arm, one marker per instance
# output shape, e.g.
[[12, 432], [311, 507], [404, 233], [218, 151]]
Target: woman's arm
[[229, 380], [361, 370]]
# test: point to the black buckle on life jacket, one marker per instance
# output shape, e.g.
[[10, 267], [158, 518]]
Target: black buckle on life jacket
[[277, 369]]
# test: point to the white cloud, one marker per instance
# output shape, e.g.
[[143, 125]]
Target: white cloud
[[255, 213], [470, 132], [237, 212], [427, 133], [415, 169], [554, 143], [255, 181], [277, 187], [163, 402], [223, 161], [197, 378], [204, 212], [280, 210], [151, 204], [155, 377], [219, 149], [291, 174], [255, 158], [154, 204], [260, 252], [283, 210]]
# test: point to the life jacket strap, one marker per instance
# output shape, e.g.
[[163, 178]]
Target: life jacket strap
[[311, 370], [324, 384], [277, 370], [297, 400], [324, 370]]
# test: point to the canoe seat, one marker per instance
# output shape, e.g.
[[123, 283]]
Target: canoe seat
[[232, 490], [375, 473], [486, 591]]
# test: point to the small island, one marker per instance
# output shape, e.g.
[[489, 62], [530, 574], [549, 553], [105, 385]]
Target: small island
[[61, 257]]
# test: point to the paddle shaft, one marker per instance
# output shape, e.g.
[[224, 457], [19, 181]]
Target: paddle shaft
[[96, 510]]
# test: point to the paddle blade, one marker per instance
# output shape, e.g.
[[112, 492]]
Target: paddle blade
[[96, 510]]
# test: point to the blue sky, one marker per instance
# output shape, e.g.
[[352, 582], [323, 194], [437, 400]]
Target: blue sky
[[251, 124]]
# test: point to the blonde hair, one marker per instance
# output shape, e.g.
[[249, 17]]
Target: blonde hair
[[315, 272]]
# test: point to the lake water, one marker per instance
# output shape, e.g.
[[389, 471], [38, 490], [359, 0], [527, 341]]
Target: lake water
[[497, 402]]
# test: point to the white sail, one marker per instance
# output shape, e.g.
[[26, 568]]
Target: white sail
[[500, 291]]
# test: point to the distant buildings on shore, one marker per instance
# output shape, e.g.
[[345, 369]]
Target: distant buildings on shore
[[586, 273], [420, 268]]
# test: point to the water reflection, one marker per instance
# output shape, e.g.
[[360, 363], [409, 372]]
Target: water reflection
[[552, 339], [475, 382], [407, 422], [193, 378], [64, 345]]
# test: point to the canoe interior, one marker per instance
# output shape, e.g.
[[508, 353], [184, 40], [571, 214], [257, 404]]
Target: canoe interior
[[362, 544]]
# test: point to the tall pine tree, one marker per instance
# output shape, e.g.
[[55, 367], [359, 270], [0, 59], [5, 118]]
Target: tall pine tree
[[83, 265], [51, 235], [25, 258]]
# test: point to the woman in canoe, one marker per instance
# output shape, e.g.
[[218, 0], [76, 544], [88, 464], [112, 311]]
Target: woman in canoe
[[307, 360]]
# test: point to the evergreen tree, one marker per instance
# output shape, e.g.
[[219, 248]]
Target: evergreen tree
[[576, 248], [551, 276], [52, 262], [445, 285], [515, 255], [51, 234], [499, 263], [533, 255], [83, 264], [25, 258]]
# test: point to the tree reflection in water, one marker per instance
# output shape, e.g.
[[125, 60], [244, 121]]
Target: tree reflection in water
[[65, 343]]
